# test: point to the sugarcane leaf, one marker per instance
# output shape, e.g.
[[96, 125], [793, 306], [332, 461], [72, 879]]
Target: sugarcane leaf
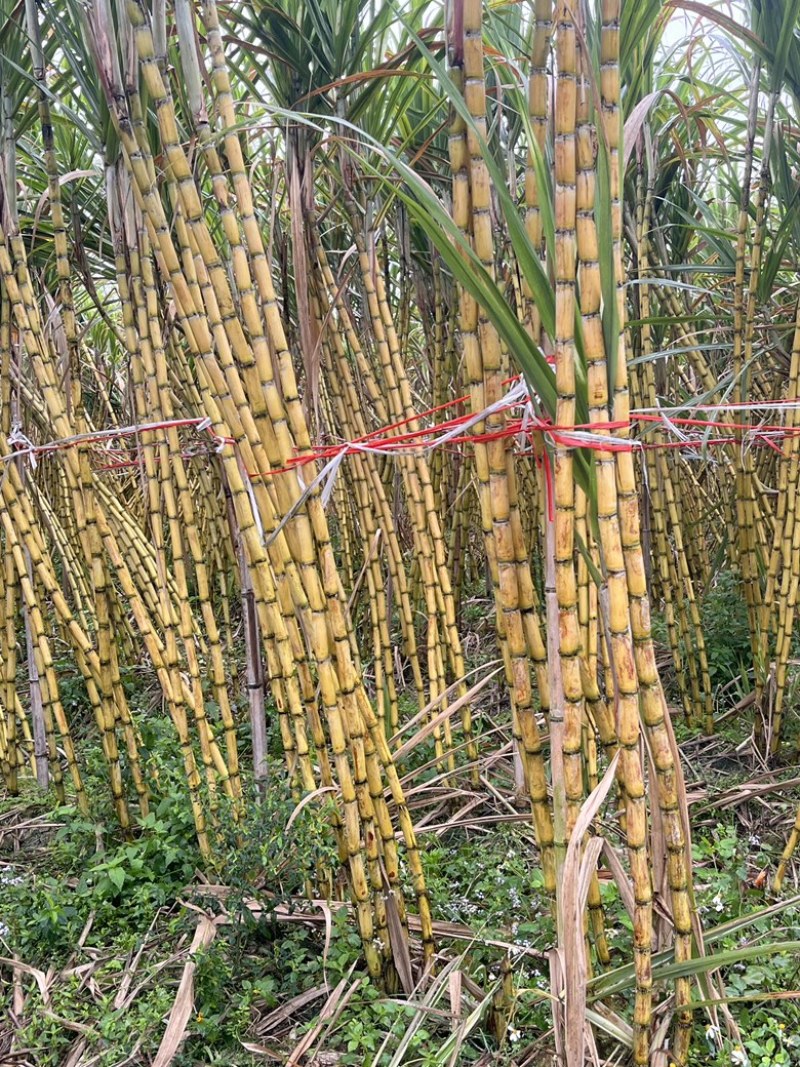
[[622, 978]]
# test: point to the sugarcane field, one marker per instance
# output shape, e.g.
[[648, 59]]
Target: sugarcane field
[[400, 533]]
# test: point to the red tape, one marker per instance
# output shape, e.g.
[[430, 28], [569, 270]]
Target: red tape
[[386, 441]]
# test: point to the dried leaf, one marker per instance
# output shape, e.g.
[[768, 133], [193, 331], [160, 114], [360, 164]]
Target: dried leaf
[[634, 123], [455, 984], [437, 720], [332, 1008], [24, 968], [183, 1004], [399, 939], [580, 865], [620, 877], [285, 1011], [307, 800]]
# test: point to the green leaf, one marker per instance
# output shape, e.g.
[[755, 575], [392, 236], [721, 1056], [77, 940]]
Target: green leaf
[[116, 876]]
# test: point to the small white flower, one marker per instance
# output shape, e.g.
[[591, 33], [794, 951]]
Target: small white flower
[[713, 1037], [513, 1034], [718, 902], [739, 1057]]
